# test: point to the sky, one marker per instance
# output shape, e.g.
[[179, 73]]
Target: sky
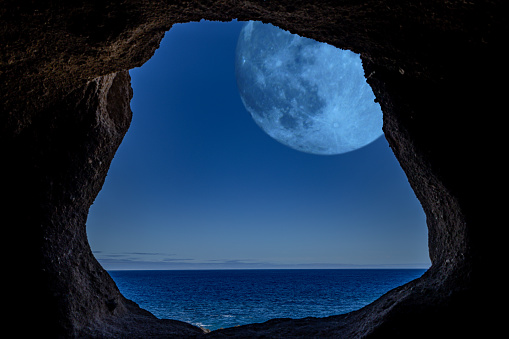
[[196, 184]]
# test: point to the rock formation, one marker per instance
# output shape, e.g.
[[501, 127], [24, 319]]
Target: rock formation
[[435, 68]]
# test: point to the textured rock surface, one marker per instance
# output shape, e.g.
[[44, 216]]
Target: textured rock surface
[[434, 67]]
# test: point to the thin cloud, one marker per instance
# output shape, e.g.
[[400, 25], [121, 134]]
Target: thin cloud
[[158, 260], [137, 257], [150, 253]]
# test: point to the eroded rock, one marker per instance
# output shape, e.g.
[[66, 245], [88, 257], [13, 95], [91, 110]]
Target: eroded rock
[[64, 87]]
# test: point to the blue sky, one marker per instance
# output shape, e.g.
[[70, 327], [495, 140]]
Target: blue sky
[[196, 184]]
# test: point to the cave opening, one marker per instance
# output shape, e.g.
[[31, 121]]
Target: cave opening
[[66, 93], [190, 189]]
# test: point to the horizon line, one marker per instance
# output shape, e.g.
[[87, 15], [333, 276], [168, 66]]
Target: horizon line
[[342, 267], [269, 269]]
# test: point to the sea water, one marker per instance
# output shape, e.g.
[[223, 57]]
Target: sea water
[[225, 298]]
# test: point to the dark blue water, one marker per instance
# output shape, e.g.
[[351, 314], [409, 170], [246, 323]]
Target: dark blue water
[[226, 298]]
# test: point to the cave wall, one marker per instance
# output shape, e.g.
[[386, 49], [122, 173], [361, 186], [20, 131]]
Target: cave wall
[[435, 68]]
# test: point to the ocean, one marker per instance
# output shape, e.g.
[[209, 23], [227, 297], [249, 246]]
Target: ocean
[[225, 298]]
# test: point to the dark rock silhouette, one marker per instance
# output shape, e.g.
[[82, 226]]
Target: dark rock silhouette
[[435, 68]]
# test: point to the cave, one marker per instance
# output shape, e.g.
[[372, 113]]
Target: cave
[[434, 67]]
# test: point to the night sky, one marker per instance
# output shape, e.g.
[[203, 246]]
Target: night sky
[[196, 184]]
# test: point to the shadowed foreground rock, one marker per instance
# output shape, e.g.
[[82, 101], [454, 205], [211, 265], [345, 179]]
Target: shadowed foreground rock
[[435, 68]]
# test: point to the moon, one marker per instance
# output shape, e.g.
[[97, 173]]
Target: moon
[[308, 95]]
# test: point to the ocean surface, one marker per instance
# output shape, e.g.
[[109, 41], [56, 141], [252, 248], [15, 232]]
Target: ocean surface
[[225, 298]]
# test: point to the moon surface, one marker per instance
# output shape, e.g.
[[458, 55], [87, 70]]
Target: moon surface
[[307, 95]]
